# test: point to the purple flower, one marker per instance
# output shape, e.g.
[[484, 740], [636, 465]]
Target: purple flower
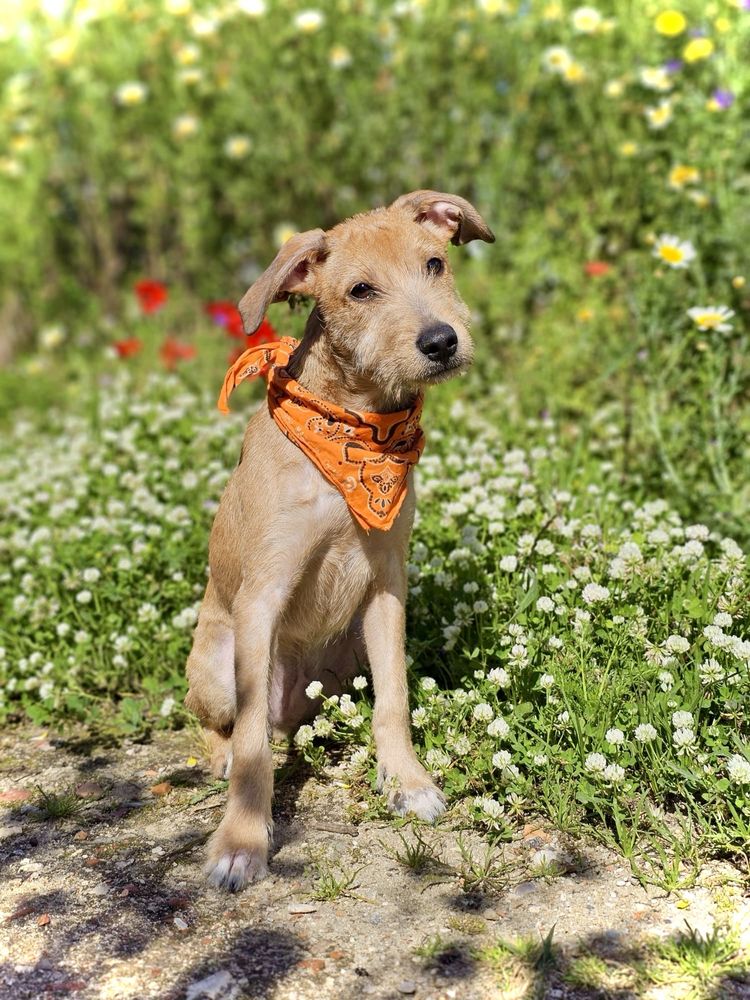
[[675, 65], [724, 98]]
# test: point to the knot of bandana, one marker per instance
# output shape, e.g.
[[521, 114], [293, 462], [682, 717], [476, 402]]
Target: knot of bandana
[[366, 456]]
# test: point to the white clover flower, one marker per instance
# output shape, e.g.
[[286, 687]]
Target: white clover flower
[[428, 683], [236, 147], [546, 681], [645, 733], [498, 728], [483, 712], [347, 707], [738, 769], [45, 689], [480, 607], [131, 93], [509, 564], [499, 676], [615, 736], [683, 739], [304, 736], [666, 680], [593, 593], [359, 757], [185, 126], [252, 8], [613, 773], [359, 683], [660, 116], [167, 706], [677, 644], [681, 719], [711, 671], [314, 689], [540, 759], [596, 763], [712, 318], [545, 604], [655, 78], [437, 760], [723, 620], [586, 20], [84, 597], [419, 717], [501, 759], [322, 726], [309, 21], [490, 807]]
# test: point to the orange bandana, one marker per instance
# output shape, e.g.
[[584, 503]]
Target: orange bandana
[[366, 456]]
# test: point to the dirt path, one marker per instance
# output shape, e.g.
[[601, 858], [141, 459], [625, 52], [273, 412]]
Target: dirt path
[[110, 901]]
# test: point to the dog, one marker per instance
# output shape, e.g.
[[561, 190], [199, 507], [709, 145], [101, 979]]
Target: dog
[[305, 583]]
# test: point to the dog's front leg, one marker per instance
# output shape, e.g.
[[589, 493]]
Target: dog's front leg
[[406, 782], [238, 850]]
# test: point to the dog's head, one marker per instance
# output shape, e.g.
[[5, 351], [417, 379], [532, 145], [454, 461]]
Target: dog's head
[[383, 288]]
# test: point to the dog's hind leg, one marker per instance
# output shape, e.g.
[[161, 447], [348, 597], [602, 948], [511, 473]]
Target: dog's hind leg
[[210, 670]]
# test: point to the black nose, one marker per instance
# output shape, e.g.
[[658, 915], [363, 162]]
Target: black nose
[[438, 342]]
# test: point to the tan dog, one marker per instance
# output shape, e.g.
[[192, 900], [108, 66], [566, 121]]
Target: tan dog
[[298, 590]]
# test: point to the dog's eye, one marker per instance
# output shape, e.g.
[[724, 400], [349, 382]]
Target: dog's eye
[[435, 266], [362, 291]]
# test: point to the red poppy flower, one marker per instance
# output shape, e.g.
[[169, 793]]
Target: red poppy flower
[[597, 268], [151, 295], [226, 315], [172, 351], [128, 347]]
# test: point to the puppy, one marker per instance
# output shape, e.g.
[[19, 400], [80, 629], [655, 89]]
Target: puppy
[[308, 548]]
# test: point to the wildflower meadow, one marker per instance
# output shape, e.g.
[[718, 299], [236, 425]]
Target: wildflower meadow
[[579, 603]]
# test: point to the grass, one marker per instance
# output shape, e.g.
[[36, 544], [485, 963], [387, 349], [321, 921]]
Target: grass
[[58, 805]]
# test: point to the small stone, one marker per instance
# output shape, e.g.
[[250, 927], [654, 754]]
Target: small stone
[[298, 908], [218, 986], [407, 986], [180, 924], [523, 889], [313, 964], [10, 831], [81, 835], [100, 890], [27, 865], [162, 788], [335, 955], [89, 790], [15, 795], [43, 920]]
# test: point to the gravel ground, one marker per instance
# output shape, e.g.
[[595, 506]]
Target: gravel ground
[[110, 901]]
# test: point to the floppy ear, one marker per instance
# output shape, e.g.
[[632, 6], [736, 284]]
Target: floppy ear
[[447, 215], [290, 271]]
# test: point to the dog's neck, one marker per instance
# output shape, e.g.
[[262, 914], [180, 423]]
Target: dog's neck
[[320, 370]]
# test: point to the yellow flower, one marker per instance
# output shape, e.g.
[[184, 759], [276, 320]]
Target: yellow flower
[[575, 73], [20, 143], [552, 12], [628, 148], [494, 6], [681, 175], [660, 116], [699, 198], [738, 281], [188, 55], [238, 146], [177, 7], [184, 126], [339, 57], [614, 88], [62, 50], [670, 23], [722, 25], [697, 49], [10, 167], [131, 93], [51, 337], [584, 315]]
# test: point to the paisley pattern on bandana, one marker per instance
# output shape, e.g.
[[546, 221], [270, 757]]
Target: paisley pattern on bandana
[[366, 456]]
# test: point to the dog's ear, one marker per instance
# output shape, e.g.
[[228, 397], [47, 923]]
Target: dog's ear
[[290, 271], [448, 215]]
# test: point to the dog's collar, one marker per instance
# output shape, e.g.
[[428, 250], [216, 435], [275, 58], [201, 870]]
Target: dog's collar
[[366, 456]]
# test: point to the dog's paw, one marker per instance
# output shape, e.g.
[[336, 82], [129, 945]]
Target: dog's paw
[[427, 803], [236, 869]]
